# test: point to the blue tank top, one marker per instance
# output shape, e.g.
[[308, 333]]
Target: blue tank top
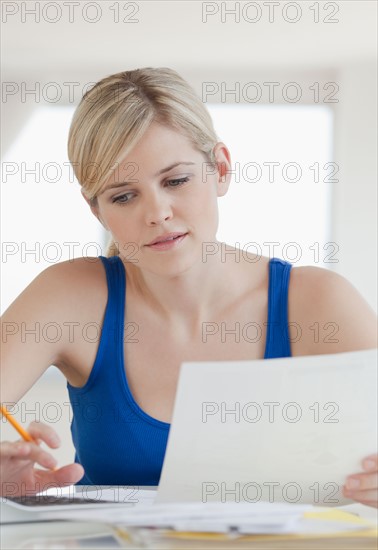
[[115, 440]]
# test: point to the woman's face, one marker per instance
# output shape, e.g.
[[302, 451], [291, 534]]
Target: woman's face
[[158, 200]]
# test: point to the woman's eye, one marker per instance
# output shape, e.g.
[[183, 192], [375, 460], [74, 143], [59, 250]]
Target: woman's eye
[[178, 182], [120, 199]]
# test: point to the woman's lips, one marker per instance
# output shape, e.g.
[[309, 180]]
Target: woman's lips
[[167, 245]]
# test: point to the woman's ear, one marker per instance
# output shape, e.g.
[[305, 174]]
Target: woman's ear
[[223, 161], [94, 208]]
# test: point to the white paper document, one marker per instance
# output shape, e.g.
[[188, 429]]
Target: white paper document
[[279, 430]]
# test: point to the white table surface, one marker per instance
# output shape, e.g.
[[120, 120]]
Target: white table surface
[[61, 535]]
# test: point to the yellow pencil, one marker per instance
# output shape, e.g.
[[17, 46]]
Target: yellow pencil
[[15, 424], [23, 433]]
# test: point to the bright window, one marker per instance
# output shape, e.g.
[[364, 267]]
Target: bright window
[[280, 193], [45, 219]]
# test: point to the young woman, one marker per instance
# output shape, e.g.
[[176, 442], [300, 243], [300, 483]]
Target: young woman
[[151, 167]]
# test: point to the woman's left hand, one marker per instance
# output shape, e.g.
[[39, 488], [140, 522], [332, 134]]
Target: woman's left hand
[[363, 487]]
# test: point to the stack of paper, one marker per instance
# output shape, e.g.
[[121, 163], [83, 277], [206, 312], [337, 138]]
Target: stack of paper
[[263, 517], [237, 518]]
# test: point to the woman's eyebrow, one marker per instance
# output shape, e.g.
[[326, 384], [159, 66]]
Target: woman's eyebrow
[[170, 167], [159, 173]]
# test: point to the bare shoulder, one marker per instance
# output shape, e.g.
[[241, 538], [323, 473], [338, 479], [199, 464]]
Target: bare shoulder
[[72, 285], [62, 297], [327, 314], [67, 284], [84, 270], [62, 283], [63, 291]]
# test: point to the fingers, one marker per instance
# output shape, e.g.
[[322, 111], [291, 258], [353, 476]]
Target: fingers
[[41, 480], [369, 497], [41, 457], [10, 449], [24, 450], [43, 432], [370, 463], [363, 488], [362, 482], [67, 475], [31, 450], [367, 480]]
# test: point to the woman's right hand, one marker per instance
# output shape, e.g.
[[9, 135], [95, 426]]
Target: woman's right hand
[[18, 476]]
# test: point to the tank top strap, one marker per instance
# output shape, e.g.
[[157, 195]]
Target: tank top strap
[[277, 338], [115, 308]]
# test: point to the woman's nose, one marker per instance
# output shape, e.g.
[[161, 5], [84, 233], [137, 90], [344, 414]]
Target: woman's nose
[[157, 210]]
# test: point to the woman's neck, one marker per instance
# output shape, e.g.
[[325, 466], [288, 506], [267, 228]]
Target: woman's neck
[[191, 297]]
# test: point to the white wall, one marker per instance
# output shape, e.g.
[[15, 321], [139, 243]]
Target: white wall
[[354, 215]]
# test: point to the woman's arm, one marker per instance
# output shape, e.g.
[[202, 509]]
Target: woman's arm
[[28, 347], [27, 351]]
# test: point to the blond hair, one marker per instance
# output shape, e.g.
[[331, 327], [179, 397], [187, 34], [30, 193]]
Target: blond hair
[[113, 116]]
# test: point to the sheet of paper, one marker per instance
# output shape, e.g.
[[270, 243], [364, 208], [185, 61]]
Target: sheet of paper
[[278, 430]]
